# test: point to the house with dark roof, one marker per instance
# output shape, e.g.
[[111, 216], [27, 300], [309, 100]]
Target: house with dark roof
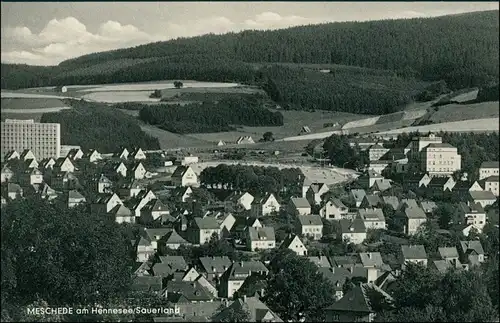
[[214, 267], [482, 197], [30, 163], [373, 218], [174, 240], [368, 179], [151, 284], [75, 154], [104, 184], [428, 206], [12, 155], [241, 225], [122, 214], [360, 304], [264, 206], [27, 154], [258, 311], [75, 198], [391, 200], [31, 176], [61, 181], [167, 266], [152, 211], [473, 214], [413, 253], [184, 176], [310, 226], [415, 181], [370, 201], [234, 277], [333, 209], [186, 292], [6, 174], [372, 260], [488, 168], [105, 203], [448, 253], [122, 153], [356, 196], [239, 201], [411, 215], [47, 163], [441, 184], [293, 242], [193, 275], [471, 252], [381, 186], [299, 206], [12, 191], [260, 238], [138, 171], [352, 231], [315, 191], [92, 155], [489, 183], [64, 164], [201, 230], [320, 261], [138, 154]]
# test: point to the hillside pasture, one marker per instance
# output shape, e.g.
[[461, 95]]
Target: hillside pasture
[[464, 95], [151, 86], [459, 112], [208, 93], [476, 125], [392, 117], [31, 103], [120, 96], [361, 123]]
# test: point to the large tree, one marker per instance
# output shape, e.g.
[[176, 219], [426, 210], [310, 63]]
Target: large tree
[[63, 256], [295, 288]]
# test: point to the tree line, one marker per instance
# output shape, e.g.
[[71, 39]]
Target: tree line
[[98, 126], [210, 116], [256, 180]]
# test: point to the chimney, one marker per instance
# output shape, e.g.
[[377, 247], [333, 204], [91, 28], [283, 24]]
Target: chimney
[[245, 298]]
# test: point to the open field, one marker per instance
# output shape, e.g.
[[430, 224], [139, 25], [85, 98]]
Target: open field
[[169, 140], [207, 93], [26, 95], [465, 96], [330, 175], [16, 104], [155, 86], [459, 112], [477, 125], [120, 96], [361, 123]]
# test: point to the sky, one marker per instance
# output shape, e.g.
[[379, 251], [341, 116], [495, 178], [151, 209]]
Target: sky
[[46, 33]]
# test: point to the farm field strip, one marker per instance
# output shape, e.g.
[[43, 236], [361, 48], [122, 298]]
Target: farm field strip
[[120, 96], [156, 86], [361, 123], [464, 97], [39, 110], [485, 124]]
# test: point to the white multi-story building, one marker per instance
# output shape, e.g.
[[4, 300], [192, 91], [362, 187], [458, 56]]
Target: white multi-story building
[[488, 168], [440, 159], [43, 139]]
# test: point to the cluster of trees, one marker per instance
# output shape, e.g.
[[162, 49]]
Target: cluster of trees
[[210, 116], [488, 93], [98, 126], [423, 295], [303, 89], [341, 154], [63, 257], [256, 180]]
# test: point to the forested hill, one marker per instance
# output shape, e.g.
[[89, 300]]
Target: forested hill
[[460, 49]]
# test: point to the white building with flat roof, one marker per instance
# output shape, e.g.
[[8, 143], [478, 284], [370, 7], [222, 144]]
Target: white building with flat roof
[[43, 139], [440, 159]]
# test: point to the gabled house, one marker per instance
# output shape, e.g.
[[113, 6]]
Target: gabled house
[[473, 214], [375, 152], [441, 184], [145, 249], [184, 176], [187, 294], [27, 154], [123, 153], [373, 218], [202, 229], [448, 253], [488, 168], [265, 205], [381, 186], [413, 253], [93, 156], [234, 277], [12, 155], [428, 206], [75, 154], [482, 197], [239, 201], [299, 206], [65, 165], [75, 198], [47, 163], [305, 186], [152, 211], [356, 196], [148, 284], [213, 267], [30, 163], [258, 311], [315, 191], [471, 252], [138, 154], [6, 174], [489, 183], [463, 187], [260, 238], [320, 261], [372, 260], [104, 184], [122, 214], [185, 193], [416, 181], [193, 275], [370, 201], [392, 201], [360, 304], [245, 140], [31, 176], [120, 169], [173, 240], [333, 209], [105, 203], [13, 191], [226, 222], [63, 181], [241, 225], [443, 266], [46, 192], [310, 226], [368, 179], [168, 266], [140, 201], [138, 171], [412, 216], [131, 189], [293, 242], [352, 231]]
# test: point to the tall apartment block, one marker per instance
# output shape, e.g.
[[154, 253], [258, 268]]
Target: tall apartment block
[[44, 139]]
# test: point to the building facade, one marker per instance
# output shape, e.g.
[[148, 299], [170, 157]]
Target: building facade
[[440, 159], [44, 139]]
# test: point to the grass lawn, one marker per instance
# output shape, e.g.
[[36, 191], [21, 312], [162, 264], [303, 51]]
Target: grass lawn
[[30, 103], [459, 112]]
